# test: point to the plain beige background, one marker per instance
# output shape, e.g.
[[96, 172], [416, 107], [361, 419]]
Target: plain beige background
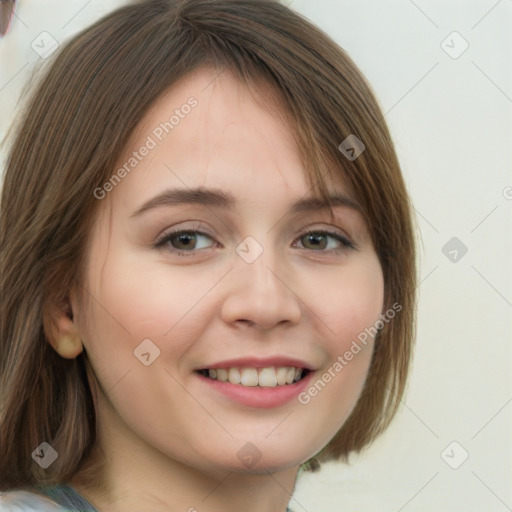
[[441, 71]]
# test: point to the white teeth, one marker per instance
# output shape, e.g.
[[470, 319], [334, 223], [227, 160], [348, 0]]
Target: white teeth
[[234, 376], [267, 378], [222, 374], [290, 375], [281, 375], [264, 377], [249, 377]]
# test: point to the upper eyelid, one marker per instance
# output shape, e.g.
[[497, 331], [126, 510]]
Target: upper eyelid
[[331, 230], [202, 227]]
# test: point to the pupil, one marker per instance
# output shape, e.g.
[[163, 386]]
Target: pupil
[[186, 240], [319, 241]]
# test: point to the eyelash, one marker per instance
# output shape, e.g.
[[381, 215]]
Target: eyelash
[[167, 237]]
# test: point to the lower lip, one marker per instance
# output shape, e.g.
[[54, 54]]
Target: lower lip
[[256, 396]]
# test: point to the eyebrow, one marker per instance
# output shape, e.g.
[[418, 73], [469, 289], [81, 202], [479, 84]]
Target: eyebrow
[[221, 199]]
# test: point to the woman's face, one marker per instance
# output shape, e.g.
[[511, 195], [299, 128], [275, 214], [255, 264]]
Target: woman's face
[[254, 288]]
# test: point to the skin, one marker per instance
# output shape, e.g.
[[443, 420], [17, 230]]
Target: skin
[[168, 439]]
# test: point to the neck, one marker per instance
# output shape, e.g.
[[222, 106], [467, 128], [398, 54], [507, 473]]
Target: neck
[[132, 480], [193, 492]]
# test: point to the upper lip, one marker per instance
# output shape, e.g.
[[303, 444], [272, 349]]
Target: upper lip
[[259, 362]]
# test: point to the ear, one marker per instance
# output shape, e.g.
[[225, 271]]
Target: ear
[[61, 331]]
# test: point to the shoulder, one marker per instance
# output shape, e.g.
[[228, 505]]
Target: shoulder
[[27, 501]]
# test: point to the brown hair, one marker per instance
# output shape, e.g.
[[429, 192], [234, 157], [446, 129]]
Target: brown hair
[[76, 124]]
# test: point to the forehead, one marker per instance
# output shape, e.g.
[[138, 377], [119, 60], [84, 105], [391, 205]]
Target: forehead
[[210, 129]]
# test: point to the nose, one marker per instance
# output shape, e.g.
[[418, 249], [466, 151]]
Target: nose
[[261, 294]]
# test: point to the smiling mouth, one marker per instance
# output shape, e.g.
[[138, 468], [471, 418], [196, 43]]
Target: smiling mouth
[[269, 377]]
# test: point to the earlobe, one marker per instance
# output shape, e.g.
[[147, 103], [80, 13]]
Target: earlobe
[[63, 334], [69, 346]]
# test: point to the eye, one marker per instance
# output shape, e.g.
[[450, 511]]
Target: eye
[[325, 241], [184, 241], [187, 242]]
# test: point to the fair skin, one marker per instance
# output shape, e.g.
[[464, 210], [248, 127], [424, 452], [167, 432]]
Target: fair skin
[[171, 440]]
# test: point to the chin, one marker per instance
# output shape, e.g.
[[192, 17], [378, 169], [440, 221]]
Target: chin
[[251, 460]]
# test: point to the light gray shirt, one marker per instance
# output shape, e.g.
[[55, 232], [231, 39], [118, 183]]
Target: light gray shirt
[[55, 498]]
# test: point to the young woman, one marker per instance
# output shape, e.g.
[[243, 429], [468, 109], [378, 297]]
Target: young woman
[[207, 265]]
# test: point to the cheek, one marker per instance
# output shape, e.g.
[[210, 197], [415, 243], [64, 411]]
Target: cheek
[[347, 313], [135, 299], [141, 298], [352, 300]]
